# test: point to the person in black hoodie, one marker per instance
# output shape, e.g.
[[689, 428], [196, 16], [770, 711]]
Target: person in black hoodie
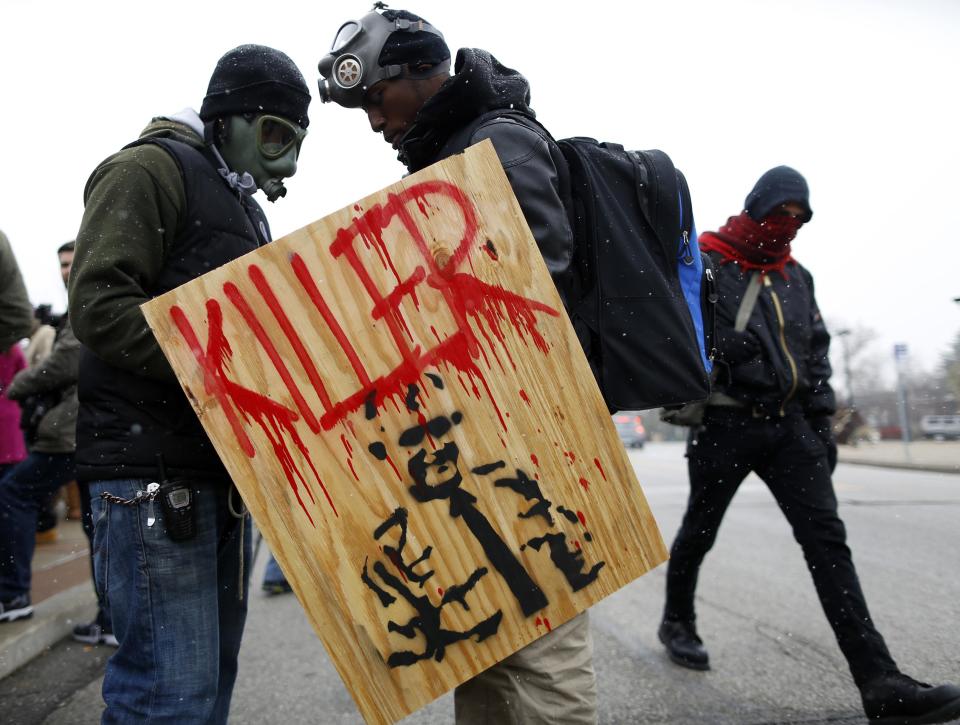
[[770, 414], [395, 66]]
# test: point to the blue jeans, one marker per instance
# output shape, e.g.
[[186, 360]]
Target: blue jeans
[[178, 608], [273, 574], [25, 489]]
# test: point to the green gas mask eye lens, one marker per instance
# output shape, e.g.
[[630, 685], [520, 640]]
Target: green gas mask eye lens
[[276, 136]]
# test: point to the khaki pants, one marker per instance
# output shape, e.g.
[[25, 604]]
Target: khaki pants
[[548, 681]]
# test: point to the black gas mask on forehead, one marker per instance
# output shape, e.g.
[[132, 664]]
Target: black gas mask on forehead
[[352, 66]]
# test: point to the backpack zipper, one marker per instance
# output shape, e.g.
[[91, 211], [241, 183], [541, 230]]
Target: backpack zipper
[[783, 344], [685, 251], [712, 298]]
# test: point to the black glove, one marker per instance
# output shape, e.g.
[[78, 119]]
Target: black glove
[[737, 347], [822, 425]]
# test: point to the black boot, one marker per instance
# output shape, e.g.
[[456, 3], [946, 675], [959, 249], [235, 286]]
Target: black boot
[[683, 645], [895, 699]]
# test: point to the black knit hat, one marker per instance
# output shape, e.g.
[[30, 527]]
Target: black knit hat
[[256, 79], [419, 48], [778, 186]]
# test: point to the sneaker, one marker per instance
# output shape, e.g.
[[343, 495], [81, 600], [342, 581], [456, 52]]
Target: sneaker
[[16, 608], [93, 633], [683, 645], [277, 587], [895, 699]]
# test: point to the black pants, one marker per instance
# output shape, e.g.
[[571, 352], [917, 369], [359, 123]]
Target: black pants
[[788, 456]]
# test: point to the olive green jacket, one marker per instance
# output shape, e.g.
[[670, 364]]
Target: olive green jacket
[[16, 313], [133, 206], [58, 371]]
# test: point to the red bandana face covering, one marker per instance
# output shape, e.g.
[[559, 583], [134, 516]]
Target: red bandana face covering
[[754, 245]]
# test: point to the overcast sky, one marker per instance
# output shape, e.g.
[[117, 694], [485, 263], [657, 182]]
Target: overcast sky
[[861, 97]]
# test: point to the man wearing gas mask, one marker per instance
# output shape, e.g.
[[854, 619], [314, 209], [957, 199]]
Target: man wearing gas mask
[[395, 66], [167, 208]]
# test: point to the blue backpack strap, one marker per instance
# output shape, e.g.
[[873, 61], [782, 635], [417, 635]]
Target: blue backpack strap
[[690, 269]]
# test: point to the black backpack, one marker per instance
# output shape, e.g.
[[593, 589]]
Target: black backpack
[[647, 295]]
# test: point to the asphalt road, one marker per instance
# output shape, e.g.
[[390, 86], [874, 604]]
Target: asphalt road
[[774, 657]]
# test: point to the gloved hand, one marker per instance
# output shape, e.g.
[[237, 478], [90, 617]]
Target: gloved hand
[[822, 425], [737, 347]]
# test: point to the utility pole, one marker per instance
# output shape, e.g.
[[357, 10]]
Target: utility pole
[[899, 356], [844, 335]]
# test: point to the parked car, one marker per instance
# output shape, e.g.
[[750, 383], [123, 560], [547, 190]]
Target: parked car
[[940, 427], [630, 429]]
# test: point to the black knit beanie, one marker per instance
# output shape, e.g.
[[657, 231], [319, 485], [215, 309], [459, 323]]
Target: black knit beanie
[[778, 186], [256, 79], [418, 48]]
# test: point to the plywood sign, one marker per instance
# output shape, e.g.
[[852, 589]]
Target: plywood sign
[[404, 407]]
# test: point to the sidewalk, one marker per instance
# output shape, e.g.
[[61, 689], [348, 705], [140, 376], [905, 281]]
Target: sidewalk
[[940, 456], [62, 596]]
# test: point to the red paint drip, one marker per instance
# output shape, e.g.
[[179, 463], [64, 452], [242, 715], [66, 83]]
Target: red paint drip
[[396, 561], [523, 396], [546, 623], [274, 419], [571, 456], [349, 449], [538, 622], [392, 301], [234, 294], [583, 519], [263, 287], [394, 467], [533, 457], [585, 483], [440, 591], [212, 381], [576, 543], [596, 462]]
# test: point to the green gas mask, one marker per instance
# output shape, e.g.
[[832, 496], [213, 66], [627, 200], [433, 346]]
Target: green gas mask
[[264, 146]]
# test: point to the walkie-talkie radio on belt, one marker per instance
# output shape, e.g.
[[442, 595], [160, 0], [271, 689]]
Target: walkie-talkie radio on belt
[[176, 500]]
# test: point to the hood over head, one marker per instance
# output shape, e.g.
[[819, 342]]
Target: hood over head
[[480, 84], [777, 186]]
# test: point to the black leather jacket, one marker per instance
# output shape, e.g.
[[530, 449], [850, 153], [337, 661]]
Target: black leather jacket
[[466, 110], [791, 372]]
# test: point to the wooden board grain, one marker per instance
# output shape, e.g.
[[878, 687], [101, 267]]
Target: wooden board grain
[[404, 407]]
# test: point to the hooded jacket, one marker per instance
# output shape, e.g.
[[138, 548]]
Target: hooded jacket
[[55, 373], [16, 314], [157, 214], [486, 100], [791, 372]]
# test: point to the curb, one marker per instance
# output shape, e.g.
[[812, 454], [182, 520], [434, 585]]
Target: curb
[[52, 620], [903, 465]]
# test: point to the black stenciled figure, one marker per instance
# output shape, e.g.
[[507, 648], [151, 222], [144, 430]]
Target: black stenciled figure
[[427, 618], [569, 561], [443, 463]]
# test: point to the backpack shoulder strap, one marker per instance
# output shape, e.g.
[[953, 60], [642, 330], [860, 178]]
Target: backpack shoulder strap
[[748, 302], [662, 204]]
